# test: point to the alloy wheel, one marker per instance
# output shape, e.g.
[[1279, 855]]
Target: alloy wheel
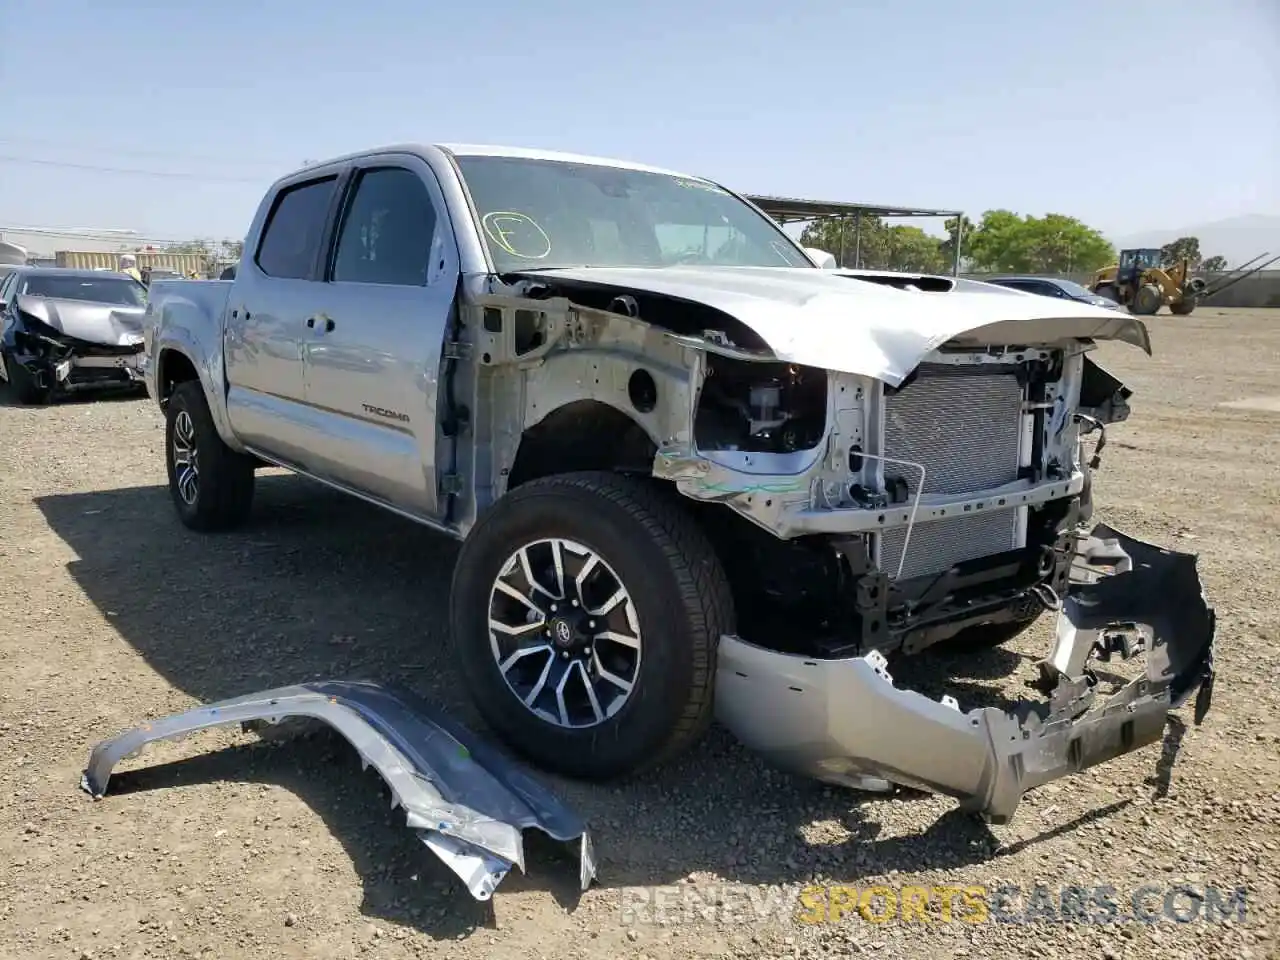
[[564, 633], [186, 463]]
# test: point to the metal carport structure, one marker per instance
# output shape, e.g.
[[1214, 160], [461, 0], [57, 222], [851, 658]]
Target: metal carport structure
[[794, 210]]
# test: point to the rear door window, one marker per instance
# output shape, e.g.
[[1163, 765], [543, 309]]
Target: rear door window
[[295, 229]]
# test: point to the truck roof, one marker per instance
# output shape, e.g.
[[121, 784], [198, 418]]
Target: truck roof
[[528, 153], [486, 150]]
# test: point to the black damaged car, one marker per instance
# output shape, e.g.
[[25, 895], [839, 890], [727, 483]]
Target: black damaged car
[[65, 331]]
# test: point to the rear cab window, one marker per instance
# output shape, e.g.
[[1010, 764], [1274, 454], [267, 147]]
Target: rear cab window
[[294, 230]]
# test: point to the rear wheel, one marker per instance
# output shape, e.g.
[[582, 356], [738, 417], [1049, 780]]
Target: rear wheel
[[586, 612], [211, 485], [1109, 291]]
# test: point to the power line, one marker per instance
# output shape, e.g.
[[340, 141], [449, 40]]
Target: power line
[[94, 168], [99, 150]]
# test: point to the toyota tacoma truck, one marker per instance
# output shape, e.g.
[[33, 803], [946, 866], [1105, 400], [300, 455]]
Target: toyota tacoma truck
[[694, 474]]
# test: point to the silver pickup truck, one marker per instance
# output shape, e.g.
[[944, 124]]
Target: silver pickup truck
[[693, 473]]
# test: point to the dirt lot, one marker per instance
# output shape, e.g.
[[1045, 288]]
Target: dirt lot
[[226, 846]]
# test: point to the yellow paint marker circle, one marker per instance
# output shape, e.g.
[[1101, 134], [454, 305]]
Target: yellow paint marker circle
[[518, 234]]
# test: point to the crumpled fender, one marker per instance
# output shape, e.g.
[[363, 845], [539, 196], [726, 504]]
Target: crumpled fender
[[468, 803]]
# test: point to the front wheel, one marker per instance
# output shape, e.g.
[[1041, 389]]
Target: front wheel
[[22, 383], [586, 613], [1147, 300], [211, 485]]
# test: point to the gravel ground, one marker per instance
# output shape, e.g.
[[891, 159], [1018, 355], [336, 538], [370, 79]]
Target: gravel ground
[[226, 845]]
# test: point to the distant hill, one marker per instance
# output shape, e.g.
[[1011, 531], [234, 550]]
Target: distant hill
[[1239, 239]]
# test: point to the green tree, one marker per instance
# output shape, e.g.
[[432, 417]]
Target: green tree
[[1054, 243], [992, 243], [910, 248], [869, 243], [1187, 248], [1214, 264], [848, 241], [948, 246]]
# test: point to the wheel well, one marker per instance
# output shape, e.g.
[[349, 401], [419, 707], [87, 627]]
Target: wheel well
[[583, 435], [175, 368]]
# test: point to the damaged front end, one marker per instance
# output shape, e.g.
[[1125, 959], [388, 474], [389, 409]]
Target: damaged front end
[[843, 721], [877, 472], [55, 362], [464, 800]]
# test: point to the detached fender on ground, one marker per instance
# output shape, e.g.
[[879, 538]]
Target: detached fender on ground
[[467, 802]]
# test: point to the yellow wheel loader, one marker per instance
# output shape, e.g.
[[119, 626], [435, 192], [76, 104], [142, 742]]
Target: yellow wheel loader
[[1141, 283]]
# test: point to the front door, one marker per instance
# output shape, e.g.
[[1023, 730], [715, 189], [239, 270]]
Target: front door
[[271, 299], [372, 352]]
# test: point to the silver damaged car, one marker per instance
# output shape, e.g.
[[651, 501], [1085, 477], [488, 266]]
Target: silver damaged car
[[64, 331]]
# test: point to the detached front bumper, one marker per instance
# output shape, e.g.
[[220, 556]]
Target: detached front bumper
[[844, 722]]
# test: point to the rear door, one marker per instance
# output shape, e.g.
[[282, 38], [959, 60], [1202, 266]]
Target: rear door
[[278, 288], [372, 355]]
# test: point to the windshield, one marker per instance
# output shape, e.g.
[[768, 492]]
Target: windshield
[[536, 214], [122, 291]]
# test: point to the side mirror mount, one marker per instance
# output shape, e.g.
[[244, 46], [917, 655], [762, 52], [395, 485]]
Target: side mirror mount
[[821, 258]]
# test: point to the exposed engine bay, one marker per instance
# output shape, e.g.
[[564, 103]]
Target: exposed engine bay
[[963, 489], [866, 515], [766, 407]]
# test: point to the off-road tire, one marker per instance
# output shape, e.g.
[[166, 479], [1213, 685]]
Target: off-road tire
[[1109, 291], [224, 494], [682, 601], [21, 385], [1183, 307], [1147, 300]]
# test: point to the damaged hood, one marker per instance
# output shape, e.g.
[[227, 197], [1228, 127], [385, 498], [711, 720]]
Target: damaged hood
[[821, 319], [112, 324]]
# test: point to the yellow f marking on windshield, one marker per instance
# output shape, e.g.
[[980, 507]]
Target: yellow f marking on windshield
[[517, 233]]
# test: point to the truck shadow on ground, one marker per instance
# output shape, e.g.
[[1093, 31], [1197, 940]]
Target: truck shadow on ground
[[321, 586]]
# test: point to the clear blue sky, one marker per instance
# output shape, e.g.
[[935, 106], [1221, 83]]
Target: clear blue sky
[[1130, 115]]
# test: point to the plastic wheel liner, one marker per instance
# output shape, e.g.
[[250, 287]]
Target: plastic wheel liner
[[468, 803], [843, 721]]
